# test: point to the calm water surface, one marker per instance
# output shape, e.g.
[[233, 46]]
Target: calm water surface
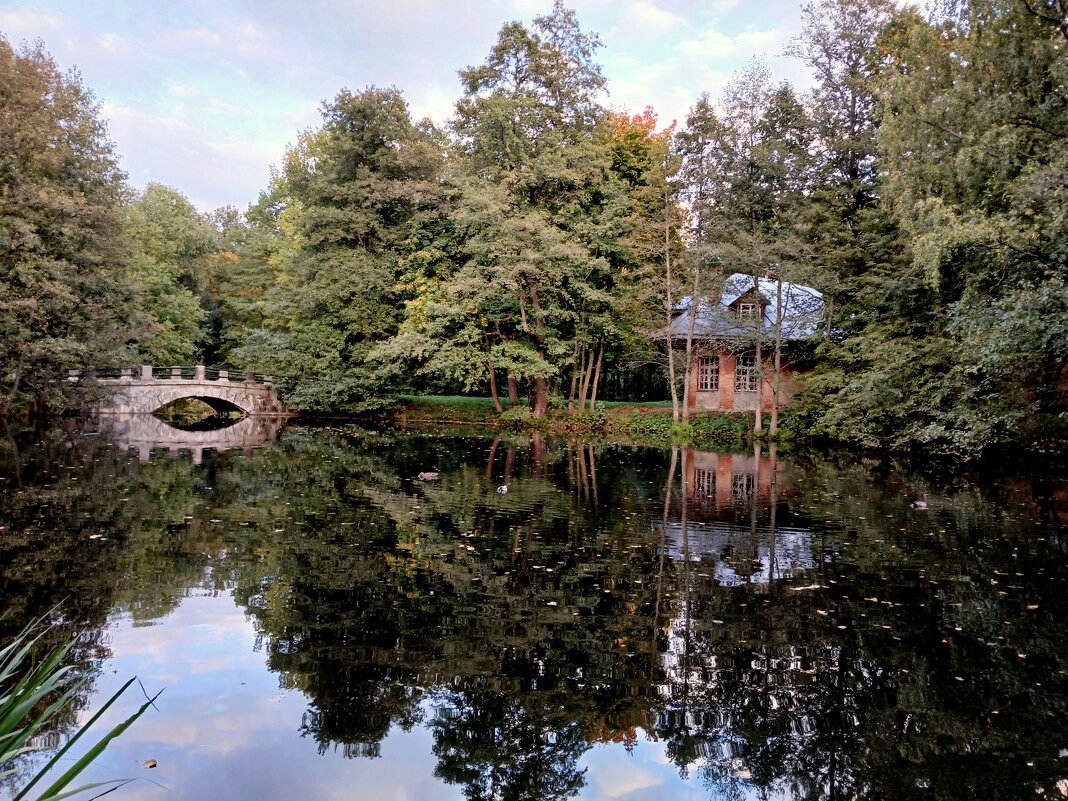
[[622, 623]]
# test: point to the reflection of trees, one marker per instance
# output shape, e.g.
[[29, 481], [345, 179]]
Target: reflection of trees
[[507, 745], [897, 671], [440, 584], [522, 627]]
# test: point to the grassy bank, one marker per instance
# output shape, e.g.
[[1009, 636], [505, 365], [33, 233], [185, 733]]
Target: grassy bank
[[637, 422]]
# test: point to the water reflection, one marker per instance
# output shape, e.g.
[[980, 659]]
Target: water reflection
[[781, 627], [146, 433]]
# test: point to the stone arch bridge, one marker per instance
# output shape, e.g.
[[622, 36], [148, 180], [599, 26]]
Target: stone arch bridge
[[143, 390]]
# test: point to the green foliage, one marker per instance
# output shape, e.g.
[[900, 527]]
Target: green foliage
[[642, 425], [964, 340], [520, 418], [171, 242], [536, 217], [542, 240], [64, 298], [346, 208], [720, 429]]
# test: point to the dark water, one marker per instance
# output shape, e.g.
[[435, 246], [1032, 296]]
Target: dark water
[[326, 625]]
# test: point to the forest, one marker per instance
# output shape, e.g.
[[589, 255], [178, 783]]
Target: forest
[[532, 246]]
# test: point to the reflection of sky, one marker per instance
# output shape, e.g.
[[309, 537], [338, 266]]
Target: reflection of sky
[[224, 729]]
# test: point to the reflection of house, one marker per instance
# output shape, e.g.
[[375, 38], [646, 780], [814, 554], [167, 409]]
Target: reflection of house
[[738, 555], [728, 523], [725, 374], [726, 480]]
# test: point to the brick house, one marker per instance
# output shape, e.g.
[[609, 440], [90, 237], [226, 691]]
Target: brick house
[[724, 373]]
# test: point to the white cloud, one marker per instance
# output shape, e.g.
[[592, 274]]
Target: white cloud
[[647, 19], [184, 91], [29, 23], [708, 43], [229, 82]]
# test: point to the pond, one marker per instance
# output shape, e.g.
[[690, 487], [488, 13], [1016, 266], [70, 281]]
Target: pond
[[544, 619]]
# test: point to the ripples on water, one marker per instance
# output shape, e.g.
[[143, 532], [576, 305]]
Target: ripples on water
[[623, 622]]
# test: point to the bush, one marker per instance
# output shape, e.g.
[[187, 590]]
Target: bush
[[518, 418], [720, 429]]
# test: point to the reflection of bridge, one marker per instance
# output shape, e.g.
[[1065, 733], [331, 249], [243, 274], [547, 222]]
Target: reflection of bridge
[[149, 388], [147, 432]]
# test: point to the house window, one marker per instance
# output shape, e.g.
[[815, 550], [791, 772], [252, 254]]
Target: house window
[[743, 486], [746, 375], [708, 374], [705, 483], [747, 310]]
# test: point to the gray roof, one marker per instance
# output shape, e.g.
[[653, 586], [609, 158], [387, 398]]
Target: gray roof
[[802, 311]]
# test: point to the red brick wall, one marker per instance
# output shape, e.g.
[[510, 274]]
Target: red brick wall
[[727, 399]]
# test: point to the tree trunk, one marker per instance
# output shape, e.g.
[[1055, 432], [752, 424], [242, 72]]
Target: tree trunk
[[493, 388], [668, 303], [574, 378], [539, 392], [689, 345], [587, 370], [758, 362], [776, 391], [513, 389], [596, 376], [539, 397]]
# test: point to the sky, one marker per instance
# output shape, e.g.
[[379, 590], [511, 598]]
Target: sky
[[205, 95]]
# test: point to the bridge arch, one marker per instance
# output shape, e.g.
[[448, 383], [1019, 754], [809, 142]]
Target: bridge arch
[[145, 389], [147, 433]]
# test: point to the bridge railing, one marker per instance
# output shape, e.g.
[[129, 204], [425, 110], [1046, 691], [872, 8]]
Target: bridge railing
[[147, 372]]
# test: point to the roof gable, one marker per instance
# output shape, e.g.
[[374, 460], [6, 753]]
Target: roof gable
[[802, 310]]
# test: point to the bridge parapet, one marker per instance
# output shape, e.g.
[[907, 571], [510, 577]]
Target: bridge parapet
[[146, 388], [148, 372]]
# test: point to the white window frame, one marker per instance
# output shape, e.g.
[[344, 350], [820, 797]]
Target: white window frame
[[708, 373], [704, 483], [746, 374], [748, 311]]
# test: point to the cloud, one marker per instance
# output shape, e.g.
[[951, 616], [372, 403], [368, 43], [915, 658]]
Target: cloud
[[232, 81], [648, 19], [30, 23]]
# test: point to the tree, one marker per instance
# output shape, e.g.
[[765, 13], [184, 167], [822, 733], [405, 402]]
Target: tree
[[965, 348], [540, 206], [349, 194], [171, 244], [648, 163], [64, 297], [747, 175]]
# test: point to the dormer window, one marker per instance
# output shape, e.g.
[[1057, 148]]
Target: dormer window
[[748, 311]]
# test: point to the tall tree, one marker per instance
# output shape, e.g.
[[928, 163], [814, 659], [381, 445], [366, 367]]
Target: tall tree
[[171, 243], [971, 349], [747, 174], [64, 298], [350, 191], [527, 126], [651, 270]]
